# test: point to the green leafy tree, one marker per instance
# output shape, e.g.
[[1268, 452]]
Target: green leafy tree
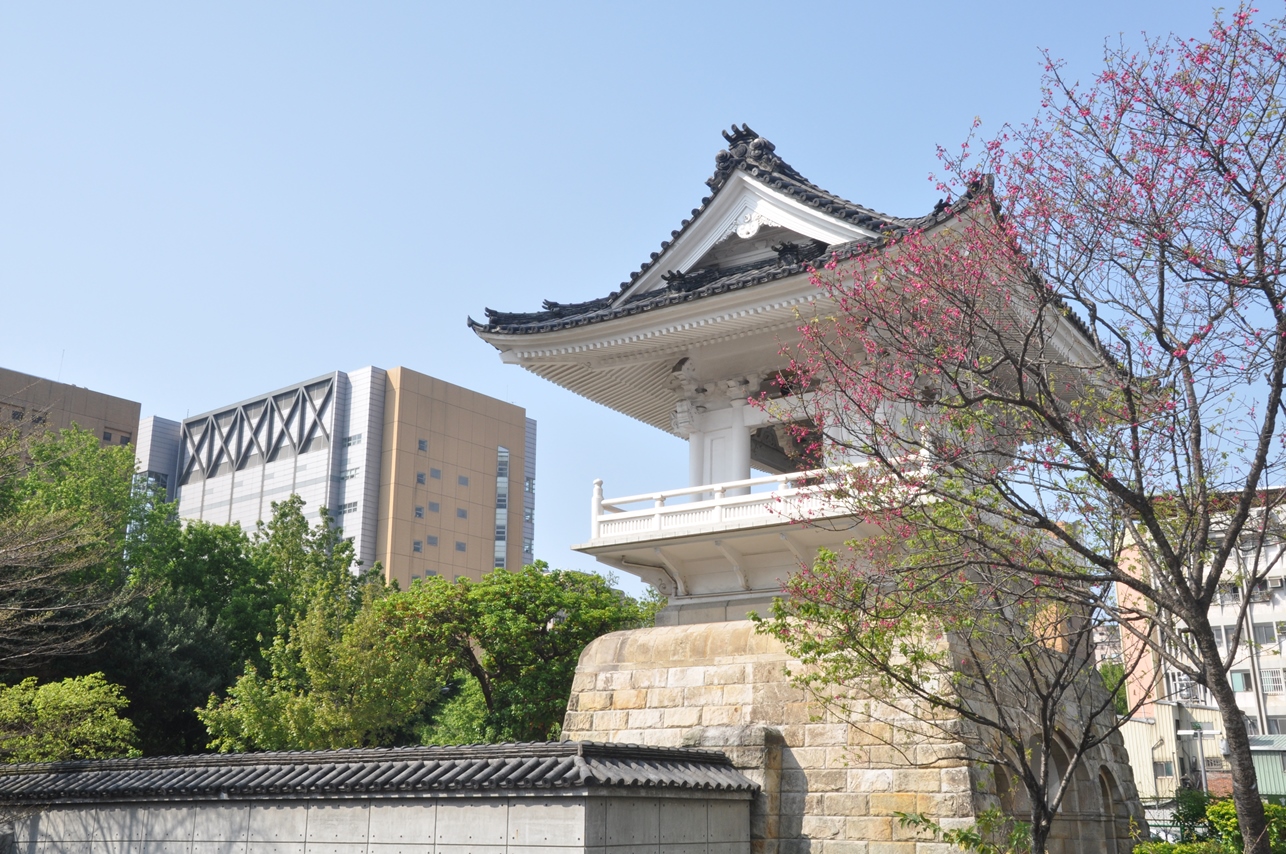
[[65, 506], [1113, 673], [212, 568], [189, 605], [517, 635], [1190, 815], [333, 681], [76, 718], [304, 563], [326, 675], [168, 656]]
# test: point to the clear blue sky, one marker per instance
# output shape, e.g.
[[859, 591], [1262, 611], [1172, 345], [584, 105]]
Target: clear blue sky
[[200, 202]]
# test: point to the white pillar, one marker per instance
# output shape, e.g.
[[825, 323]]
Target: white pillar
[[739, 447], [596, 510], [696, 459]]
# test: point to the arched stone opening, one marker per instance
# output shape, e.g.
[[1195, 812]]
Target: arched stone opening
[[1116, 816]]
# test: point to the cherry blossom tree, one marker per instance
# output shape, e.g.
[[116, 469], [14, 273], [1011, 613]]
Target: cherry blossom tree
[[1075, 375]]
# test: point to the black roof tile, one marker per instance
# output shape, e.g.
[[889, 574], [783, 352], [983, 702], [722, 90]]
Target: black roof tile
[[756, 156], [335, 773]]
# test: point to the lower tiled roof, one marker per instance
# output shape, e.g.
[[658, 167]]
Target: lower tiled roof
[[373, 772]]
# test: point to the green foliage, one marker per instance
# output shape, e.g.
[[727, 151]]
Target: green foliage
[[1113, 673], [65, 507], [1222, 817], [993, 833], [329, 678], [1158, 847], [332, 683], [460, 717], [304, 564], [71, 474], [180, 612], [517, 634], [211, 567], [168, 657], [1190, 808], [1209, 826], [71, 470], [72, 719]]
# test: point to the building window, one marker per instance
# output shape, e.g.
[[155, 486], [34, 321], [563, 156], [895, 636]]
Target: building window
[[463, 480], [529, 484], [432, 538], [436, 474], [459, 546], [1166, 769], [1277, 726], [502, 500], [500, 562], [434, 507], [1252, 725], [419, 477], [417, 546], [527, 546], [1265, 634], [461, 513], [124, 438], [348, 474], [350, 507], [423, 444], [1240, 680], [419, 512], [107, 436], [350, 441], [430, 573], [502, 464], [528, 514], [500, 533], [1272, 679]]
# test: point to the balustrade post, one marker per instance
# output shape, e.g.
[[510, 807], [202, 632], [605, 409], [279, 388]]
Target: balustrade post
[[658, 501], [596, 510], [719, 492]]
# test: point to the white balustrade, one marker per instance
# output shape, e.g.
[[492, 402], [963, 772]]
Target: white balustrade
[[711, 505]]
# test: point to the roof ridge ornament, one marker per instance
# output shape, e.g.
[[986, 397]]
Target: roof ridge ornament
[[744, 147]]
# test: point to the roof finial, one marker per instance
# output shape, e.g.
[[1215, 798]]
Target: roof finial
[[744, 147]]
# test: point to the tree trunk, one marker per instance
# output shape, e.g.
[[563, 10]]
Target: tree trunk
[[1245, 786], [1041, 823], [1040, 836]]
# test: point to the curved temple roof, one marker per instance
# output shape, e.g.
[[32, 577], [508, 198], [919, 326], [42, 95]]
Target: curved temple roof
[[749, 154], [389, 772]]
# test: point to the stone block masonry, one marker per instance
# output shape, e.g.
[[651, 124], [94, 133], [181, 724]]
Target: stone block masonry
[[825, 786]]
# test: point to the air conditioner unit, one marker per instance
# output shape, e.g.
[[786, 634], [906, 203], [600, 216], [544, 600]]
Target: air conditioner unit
[[1277, 583], [1189, 691]]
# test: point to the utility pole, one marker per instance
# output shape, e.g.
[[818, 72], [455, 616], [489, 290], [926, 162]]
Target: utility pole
[[1201, 748]]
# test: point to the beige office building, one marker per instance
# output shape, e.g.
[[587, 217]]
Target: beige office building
[[452, 490], [425, 477], [57, 406]]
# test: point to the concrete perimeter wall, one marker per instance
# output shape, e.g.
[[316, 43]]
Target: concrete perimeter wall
[[556, 823]]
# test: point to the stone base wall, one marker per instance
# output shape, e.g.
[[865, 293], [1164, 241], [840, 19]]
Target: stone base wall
[[828, 787]]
